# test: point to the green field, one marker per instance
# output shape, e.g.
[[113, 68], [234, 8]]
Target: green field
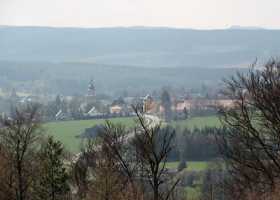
[[198, 122], [191, 166], [192, 192], [66, 131]]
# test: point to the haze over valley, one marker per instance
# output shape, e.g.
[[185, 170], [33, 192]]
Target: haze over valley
[[117, 58]]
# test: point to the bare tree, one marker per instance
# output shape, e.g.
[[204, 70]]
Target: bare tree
[[133, 159], [106, 168], [18, 138], [6, 192], [81, 167], [250, 143], [111, 180], [153, 146], [116, 141]]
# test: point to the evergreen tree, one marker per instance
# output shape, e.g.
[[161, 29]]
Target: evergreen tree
[[167, 104], [53, 180]]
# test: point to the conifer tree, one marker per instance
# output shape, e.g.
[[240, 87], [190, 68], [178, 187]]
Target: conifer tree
[[53, 183]]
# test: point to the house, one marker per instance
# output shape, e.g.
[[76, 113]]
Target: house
[[60, 115], [93, 113], [116, 109], [182, 105], [179, 106], [120, 101], [30, 98], [181, 109], [120, 107], [149, 105], [225, 103]]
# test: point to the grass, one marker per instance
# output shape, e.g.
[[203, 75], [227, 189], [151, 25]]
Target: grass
[[193, 193], [66, 131], [199, 122], [191, 166]]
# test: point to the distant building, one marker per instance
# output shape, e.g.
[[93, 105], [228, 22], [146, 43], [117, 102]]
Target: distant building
[[186, 105], [225, 103], [120, 101], [180, 106], [26, 99], [116, 109], [149, 105], [206, 103], [93, 113], [120, 107], [60, 115], [91, 89]]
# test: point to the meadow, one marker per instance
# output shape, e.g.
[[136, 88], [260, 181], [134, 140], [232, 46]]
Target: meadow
[[199, 122], [67, 131], [191, 165]]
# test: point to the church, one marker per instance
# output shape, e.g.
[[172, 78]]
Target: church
[[91, 89]]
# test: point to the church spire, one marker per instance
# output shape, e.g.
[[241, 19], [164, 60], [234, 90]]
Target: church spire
[[91, 88]]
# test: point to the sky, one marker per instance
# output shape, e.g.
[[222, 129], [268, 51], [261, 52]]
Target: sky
[[199, 14]]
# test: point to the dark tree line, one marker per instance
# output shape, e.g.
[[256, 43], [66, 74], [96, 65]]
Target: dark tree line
[[197, 144]]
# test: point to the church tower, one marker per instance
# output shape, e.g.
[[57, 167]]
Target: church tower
[[91, 89]]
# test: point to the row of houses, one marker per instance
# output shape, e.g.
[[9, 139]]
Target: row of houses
[[122, 106], [152, 106]]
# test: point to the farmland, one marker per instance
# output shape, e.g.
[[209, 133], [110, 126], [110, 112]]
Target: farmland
[[66, 131], [191, 166], [199, 122]]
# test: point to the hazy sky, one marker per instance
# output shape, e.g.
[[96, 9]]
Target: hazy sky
[[202, 14]]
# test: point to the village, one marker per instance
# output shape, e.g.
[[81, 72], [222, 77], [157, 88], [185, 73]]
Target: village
[[92, 106]]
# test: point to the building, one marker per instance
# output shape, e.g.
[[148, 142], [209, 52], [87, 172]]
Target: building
[[116, 109], [94, 113], [181, 106], [60, 115], [149, 105], [91, 89], [225, 103]]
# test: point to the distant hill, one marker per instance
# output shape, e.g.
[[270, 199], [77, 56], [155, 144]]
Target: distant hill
[[236, 27], [73, 78], [139, 46]]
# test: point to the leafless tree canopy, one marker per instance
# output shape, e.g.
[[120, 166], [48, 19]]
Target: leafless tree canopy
[[130, 160], [251, 143], [18, 136], [153, 146]]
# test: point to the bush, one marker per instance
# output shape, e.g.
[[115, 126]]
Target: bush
[[182, 165]]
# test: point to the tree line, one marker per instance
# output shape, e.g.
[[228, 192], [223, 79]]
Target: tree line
[[31, 166], [113, 166], [118, 166]]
